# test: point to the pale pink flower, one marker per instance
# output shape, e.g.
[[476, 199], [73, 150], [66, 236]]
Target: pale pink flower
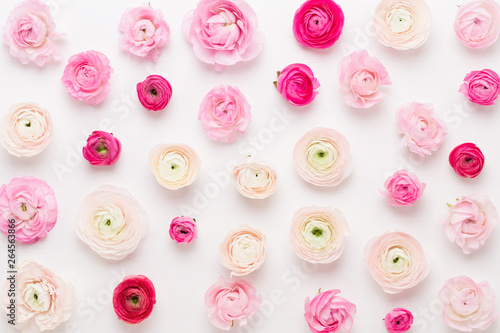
[[477, 23], [255, 178], [402, 189]]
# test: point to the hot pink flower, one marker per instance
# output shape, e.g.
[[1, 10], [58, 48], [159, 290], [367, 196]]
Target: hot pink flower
[[402, 189], [183, 230], [102, 148], [481, 87], [297, 84], [329, 313], [154, 93], [467, 160], [477, 23], [134, 298], [398, 321]]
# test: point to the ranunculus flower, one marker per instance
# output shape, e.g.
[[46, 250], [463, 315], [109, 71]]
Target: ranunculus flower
[[399, 320], [360, 79], [471, 221], [481, 87], [224, 112], [255, 178], [402, 189], [317, 234], [43, 299], [322, 157], [477, 23], [423, 132], [154, 92], [32, 204], [396, 261], [402, 24], [134, 299], [467, 160], [318, 23], [102, 148], [329, 313], [174, 165], [111, 222], [144, 32], [86, 77], [30, 32], [467, 305], [183, 229], [297, 84], [231, 302], [223, 32], [26, 129], [243, 250]]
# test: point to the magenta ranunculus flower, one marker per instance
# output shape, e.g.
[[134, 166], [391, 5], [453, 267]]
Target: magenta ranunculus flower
[[102, 148], [297, 84], [223, 32], [481, 87], [231, 302], [86, 77], [467, 160], [329, 313], [402, 189], [30, 31], [399, 320], [183, 229], [224, 112], [144, 32], [30, 204], [154, 93], [477, 23], [318, 23], [134, 298]]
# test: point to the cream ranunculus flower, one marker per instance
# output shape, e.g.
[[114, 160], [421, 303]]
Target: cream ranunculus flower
[[111, 222], [26, 129], [255, 178], [243, 250], [174, 165], [402, 24], [317, 234]]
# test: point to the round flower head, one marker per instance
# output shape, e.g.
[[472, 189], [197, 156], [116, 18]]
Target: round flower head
[[255, 178], [134, 298], [477, 23], [398, 321], [102, 148], [467, 160], [297, 84], [481, 87], [183, 230], [154, 92], [402, 189]]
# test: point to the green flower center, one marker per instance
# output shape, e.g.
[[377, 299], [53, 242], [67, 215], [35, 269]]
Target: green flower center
[[317, 232], [23, 207], [395, 260], [108, 222], [154, 92], [28, 124], [35, 296], [134, 300], [101, 149]]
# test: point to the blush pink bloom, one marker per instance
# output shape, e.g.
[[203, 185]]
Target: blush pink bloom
[[183, 230], [144, 32], [481, 87], [477, 23], [32, 206], [402, 189], [86, 77], [360, 79], [297, 84], [467, 305], [102, 148], [467, 160], [471, 221], [255, 178], [398, 320], [318, 23], [30, 32], [224, 112], [223, 32], [154, 92], [134, 299], [329, 313], [423, 132]]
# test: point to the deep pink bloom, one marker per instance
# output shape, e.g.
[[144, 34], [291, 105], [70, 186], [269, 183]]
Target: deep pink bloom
[[297, 84], [467, 160], [183, 230], [402, 189], [102, 148], [398, 320], [154, 93], [134, 298], [329, 313], [481, 87]]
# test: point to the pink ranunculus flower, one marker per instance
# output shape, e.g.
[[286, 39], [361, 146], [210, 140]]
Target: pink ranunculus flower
[[396, 261], [144, 32], [402, 189], [471, 221], [297, 84], [86, 77], [481, 87], [467, 160], [318, 23], [399, 320], [134, 299], [183, 229], [154, 92], [467, 305], [423, 131], [31, 204], [30, 31], [231, 302], [223, 32], [329, 313], [102, 148], [360, 79], [477, 23], [224, 112]]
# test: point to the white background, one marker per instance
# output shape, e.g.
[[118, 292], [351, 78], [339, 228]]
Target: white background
[[182, 274]]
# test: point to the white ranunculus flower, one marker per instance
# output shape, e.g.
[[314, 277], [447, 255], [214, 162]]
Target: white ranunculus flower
[[255, 178]]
